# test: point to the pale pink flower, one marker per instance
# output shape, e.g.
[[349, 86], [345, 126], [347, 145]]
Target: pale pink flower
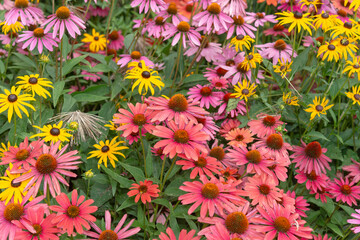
[[25, 11], [155, 5], [276, 50], [260, 18], [205, 95]]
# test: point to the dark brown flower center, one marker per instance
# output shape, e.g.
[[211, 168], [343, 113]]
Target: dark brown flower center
[[73, 211], [96, 38], [345, 189], [348, 25], [217, 152], [21, 3], [227, 97], [280, 45], [135, 55], [22, 155], [357, 96], [221, 72], [282, 224], [13, 211], [275, 141], [278, 28], [111, 51], [238, 20], [344, 42], [237, 222], [210, 191], [264, 189], [143, 188], [105, 149], [33, 80], [55, 131], [108, 235], [114, 35], [38, 230], [12, 98], [205, 91], [181, 136], [15, 185], [63, 12], [46, 164], [145, 74], [342, 13], [214, 8], [159, 21], [311, 176], [183, 26], [239, 138], [245, 91], [259, 15], [331, 47], [201, 162], [178, 103], [313, 150], [39, 32], [298, 15], [230, 62], [269, 121], [189, 8], [139, 119], [325, 15], [319, 108], [253, 156]]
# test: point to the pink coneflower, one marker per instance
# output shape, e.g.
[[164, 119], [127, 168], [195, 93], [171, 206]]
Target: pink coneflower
[[319, 237], [209, 126], [290, 6], [184, 235], [301, 206], [211, 195], [175, 108], [74, 213], [133, 137], [117, 233], [322, 194], [97, 11], [218, 151], [8, 38], [7, 5], [277, 30], [135, 56], [262, 190], [236, 224], [275, 146], [155, 5], [340, 4], [139, 116], [233, 7], [205, 95], [23, 10], [240, 27], [240, 107], [219, 83], [158, 152], [279, 222], [345, 191], [228, 125], [311, 157], [144, 191], [218, 72], [355, 221], [210, 50], [23, 155], [38, 38], [171, 10], [286, 202], [116, 40], [238, 72], [156, 27], [354, 170], [278, 169], [265, 125], [204, 165], [48, 167], [182, 30], [276, 50], [44, 228], [213, 18], [75, 88], [260, 18], [64, 19], [313, 181], [91, 76], [255, 160], [239, 137], [3, 53], [17, 212], [181, 139], [228, 58]]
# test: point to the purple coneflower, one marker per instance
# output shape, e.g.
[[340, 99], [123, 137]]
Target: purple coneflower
[[38, 38], [210, 51], [205, 95], [155, 5], [26, 13], [181, 29], [241, 26], [260, 18], [276, 50]]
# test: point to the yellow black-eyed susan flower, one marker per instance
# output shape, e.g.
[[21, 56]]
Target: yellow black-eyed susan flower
[[290, 100], [352, 66], [283, 67], [35, 84], [53, 133], [241, 42], [318, 107], [296, 19], [96, 41], [14, 28], [330, 51], [354, 94], [244, 90], [325, 21], [348, 29], [346, 46], [252, 58]]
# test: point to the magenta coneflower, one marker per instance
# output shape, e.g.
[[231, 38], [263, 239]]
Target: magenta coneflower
[[265, 125], [214, 73], [175, 108], [139, 116], [240, 107], [48, 167], [313, 181], [133, 137], [322, 194], [38, 38], [227, 125], [255, 160], [210, 50], [184, 235], [144, 191], [155, 5], [209, 126], [239, 137], [182, 30], [8, 38], [219, 83], [205, 95], [211, 195], [91, 76], [158, 152], [290, 6], [17, 212], [238, 72], [233, 7], [74, 213], [301, 206], [275, 146], [44, 228], [240, 27], [23, 10], [117, 233], [205, 165], [236, 224], [354, 170], [64, 19], [277, 30], [279, 222], [276, 50], [311, 157], [319, 237], [23, 155], [213, 18], [262, 190], [156, 27], [116, 40], [260, 18], [355, 221], [134, 56], [345, 191], [181, 139]]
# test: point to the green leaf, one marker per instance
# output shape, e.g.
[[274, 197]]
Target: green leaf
[[317, 135], [347, 209], [124, 182], [83, 97], [137, 173], [2, 67], [299, 61], [24, 60], [116, 86], [194, 78], [127, 203], [149, 158], [57, 91], [163, 202], [128, 39], [233, 102], [69, 102], [335, 229], [69, 65]]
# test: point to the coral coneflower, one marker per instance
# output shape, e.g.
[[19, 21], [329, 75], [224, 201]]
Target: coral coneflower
[[345, 191], [313, 181], [184, 235], [275, 146], [239, 137], [144, 191], [265, 125]]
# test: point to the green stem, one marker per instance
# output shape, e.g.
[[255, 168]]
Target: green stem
[[14, 129], [87, 9], [88, 189], [143, 150], [176, 66], [353, 128], [329, 218], [162, 169], [168, 173], [61, 58]]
